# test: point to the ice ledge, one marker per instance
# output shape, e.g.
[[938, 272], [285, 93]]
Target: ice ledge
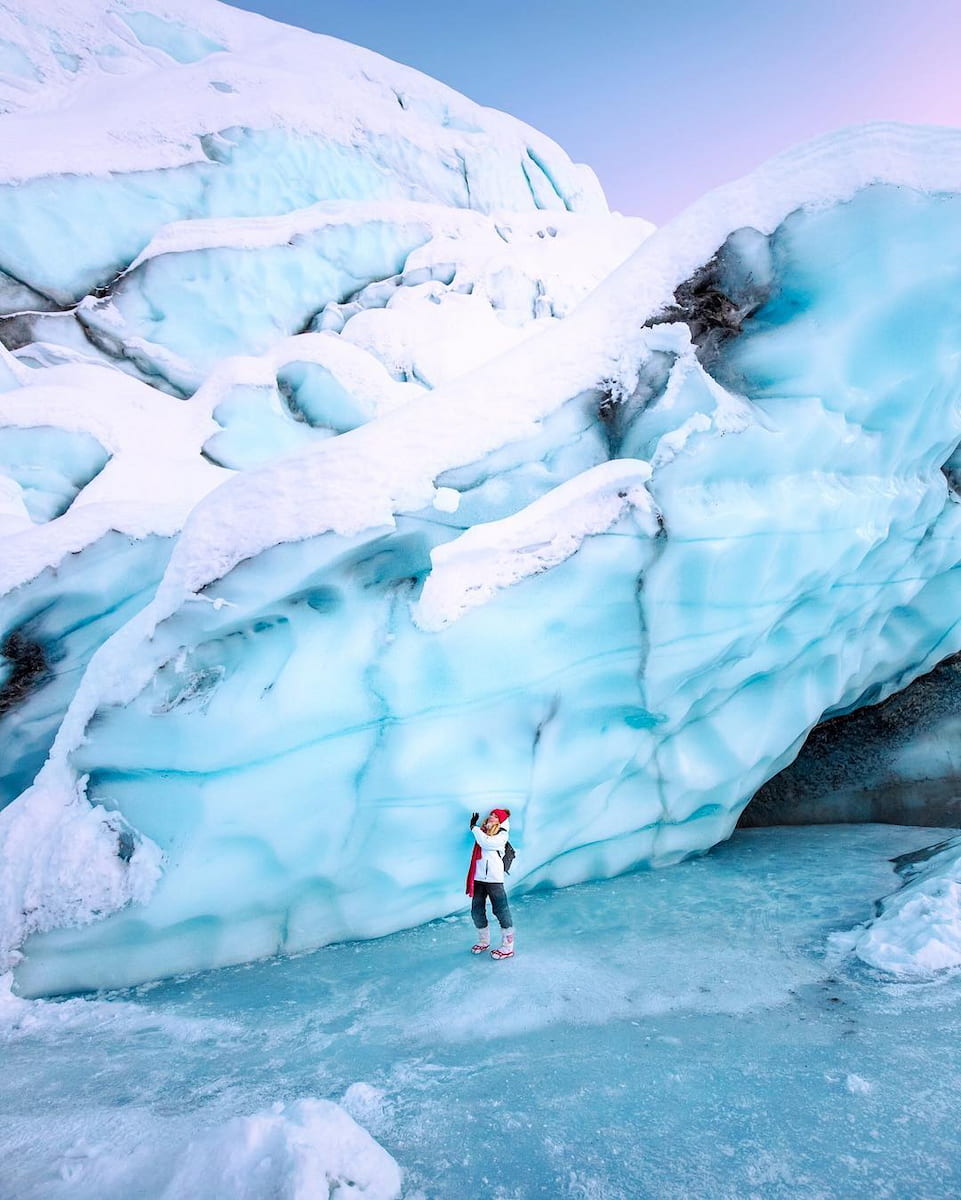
[[470, 570], [255, 233]]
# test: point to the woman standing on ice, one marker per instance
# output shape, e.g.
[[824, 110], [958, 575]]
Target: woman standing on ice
[[486, 879]]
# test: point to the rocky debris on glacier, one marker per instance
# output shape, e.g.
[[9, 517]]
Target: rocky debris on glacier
[[896, 762], [611, 574]]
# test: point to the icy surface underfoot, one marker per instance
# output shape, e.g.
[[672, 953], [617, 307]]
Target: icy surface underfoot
[[666, 1034]]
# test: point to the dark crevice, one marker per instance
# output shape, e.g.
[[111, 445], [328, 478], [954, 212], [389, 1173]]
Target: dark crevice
[[208, 456], [552, 710], [542, 167], [288, 397], [617, 411], [952, 473], [103, 290], [852, 768], [717, 300], [56, 305], [28, 668], [463, 167], [146, 370], [908, 865], [16, 330]]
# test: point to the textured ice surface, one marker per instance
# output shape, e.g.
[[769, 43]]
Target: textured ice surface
[[621, 659], [296, 265], [49, 628], [672, 1034], [50, 465], [477, 538], [173, 114]]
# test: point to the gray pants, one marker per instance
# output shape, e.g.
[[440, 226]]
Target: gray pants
[[498, 899]]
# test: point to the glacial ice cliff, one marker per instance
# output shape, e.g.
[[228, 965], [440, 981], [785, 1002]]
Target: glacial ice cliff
[[356, 515]]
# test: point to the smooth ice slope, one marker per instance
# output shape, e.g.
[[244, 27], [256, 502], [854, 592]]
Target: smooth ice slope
[[622, 653]]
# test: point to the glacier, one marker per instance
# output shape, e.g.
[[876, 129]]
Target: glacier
[[385, 475]]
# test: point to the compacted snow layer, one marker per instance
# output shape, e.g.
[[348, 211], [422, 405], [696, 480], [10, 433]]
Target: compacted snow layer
[[668, 1034], [111, 133]]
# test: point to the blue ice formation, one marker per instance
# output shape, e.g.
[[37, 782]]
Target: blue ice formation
[[182, 251], [50, 465], [225, 115], [610, 575], [50, 628], [620, 652]]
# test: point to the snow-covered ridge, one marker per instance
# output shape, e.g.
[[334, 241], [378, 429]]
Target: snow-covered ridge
[[169, 74], [400, 457], [472, 568], [121, 120]]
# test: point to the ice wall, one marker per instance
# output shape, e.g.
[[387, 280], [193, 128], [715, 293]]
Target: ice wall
[[112, 132], [611, 578], [211, 261], [354, 515]]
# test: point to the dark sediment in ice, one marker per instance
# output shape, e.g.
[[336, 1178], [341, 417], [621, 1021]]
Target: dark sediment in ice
[[27, 666]]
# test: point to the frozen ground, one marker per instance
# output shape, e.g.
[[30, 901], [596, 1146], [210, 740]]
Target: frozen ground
[[680, 1033]]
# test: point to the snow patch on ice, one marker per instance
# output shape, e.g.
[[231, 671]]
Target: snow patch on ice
[[66, 863], [487, 558], [918, 928], [308, 1150], [46, 1020], [154, 477]]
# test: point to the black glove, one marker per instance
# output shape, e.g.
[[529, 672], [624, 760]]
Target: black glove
[[474, 818]]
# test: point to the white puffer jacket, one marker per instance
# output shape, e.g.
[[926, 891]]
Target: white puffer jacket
[[490, 868]]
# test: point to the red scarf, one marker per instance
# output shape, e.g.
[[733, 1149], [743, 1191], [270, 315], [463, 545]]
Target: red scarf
[[502, 814]]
